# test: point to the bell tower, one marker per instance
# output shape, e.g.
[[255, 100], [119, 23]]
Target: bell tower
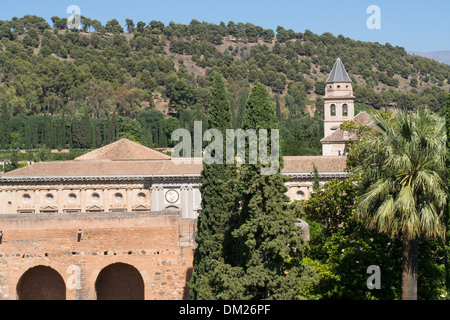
[[339, 102]]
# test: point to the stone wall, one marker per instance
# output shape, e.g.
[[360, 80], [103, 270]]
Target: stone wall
[[156, 244]]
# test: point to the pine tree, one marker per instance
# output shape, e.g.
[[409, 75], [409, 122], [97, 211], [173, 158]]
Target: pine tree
[[217, 208], [269, 246]]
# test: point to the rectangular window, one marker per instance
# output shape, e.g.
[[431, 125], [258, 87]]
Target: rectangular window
[[25, 211]]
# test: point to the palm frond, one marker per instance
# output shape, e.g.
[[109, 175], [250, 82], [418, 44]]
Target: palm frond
[[404, 164]]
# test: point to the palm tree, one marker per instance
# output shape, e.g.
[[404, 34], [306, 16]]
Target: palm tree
[[404, 165]]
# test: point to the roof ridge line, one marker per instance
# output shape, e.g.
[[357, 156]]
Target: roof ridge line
[[361, 112]]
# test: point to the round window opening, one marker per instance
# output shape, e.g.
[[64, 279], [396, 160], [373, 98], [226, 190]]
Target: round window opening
[[26, 198], [141, 197], [300, 195], [49, 197], [118, 196], [95, 197], [72, 197]]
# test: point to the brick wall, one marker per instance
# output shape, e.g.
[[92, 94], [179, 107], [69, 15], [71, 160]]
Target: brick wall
[[149, 243]]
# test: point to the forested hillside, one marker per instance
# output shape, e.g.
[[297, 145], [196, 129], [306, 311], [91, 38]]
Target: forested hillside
[[141, 80]]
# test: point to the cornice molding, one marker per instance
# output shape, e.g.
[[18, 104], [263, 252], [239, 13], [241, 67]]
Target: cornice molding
[[133, 178], [193, 178]]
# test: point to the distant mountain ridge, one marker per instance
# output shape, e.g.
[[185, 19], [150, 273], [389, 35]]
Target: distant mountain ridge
[[441, 56]]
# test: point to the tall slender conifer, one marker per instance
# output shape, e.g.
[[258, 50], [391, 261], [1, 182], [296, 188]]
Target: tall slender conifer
[[217, 204]]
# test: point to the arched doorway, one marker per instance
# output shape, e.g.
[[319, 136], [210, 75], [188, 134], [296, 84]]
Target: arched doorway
[[119, 281], [41, 283]]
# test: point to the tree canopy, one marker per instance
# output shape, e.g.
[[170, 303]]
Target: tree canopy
[[45, 70]]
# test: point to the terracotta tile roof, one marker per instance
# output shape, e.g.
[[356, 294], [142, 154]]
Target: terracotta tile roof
[[126, 158], [93, 168], [105, 168], [124, 150], [323, 164], [362, 118]]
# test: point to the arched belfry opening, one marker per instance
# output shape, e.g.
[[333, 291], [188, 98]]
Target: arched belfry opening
[[41, 283], [119, 281]]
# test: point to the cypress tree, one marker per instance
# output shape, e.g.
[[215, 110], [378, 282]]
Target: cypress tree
[[34, 129], [61, 129], [92, 136], [27, 134], [162, 138], [217, 207], [13, 163], [49, 131], [5, 119], [77, 133], [114, 129], [87, 129], [108, 131], [147, 137], [278, 107], [316, 185], [269, 246]]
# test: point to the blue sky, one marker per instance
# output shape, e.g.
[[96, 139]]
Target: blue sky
[[415, 25]]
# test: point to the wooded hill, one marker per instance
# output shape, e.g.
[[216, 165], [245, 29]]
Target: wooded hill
[[85, 88]]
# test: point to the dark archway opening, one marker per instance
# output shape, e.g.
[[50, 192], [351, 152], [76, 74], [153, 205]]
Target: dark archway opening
[[119, 281], [41, 283]]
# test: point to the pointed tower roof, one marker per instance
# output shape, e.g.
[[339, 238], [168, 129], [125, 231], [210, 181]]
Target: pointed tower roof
[[124, 149], [339, 74]]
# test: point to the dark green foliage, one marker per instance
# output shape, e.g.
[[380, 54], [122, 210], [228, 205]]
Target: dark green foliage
[[260, 111], [114, 74], [447, 208], [218, 207], [5, 127], [83, 132], [320, 88], [13, 162], [248, 244], [113, 26], [147, 138], [316, 185], [269, 247], [342, 248]]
